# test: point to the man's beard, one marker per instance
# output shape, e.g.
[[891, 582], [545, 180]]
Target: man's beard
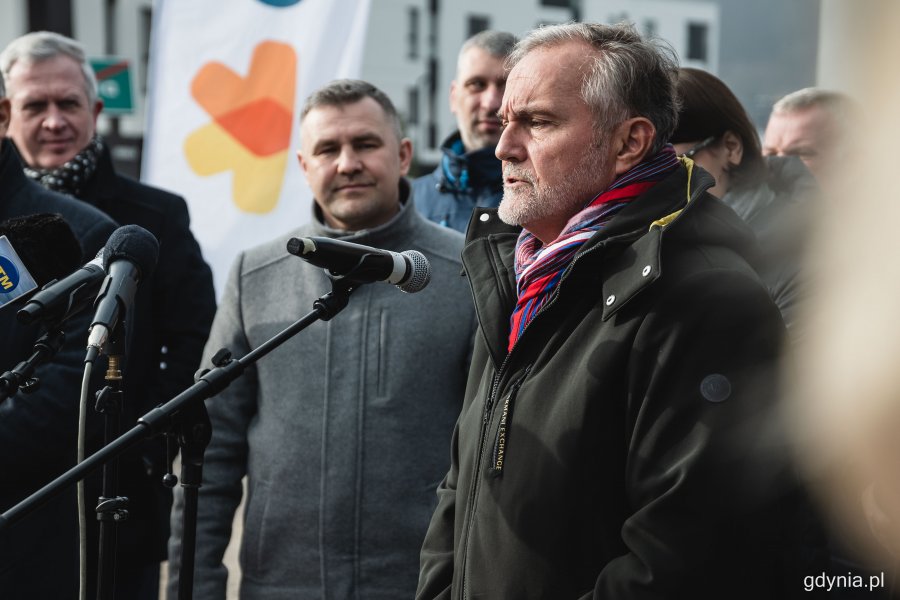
[[539, 202]]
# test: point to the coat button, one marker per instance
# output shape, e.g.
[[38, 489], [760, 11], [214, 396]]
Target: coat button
[[484, 217], [646, 271], [611, 299]]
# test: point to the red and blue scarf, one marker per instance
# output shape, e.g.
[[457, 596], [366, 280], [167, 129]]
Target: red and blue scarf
[[539, 268]]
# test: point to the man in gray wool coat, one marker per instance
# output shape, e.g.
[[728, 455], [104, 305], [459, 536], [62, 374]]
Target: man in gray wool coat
[[344, 432]]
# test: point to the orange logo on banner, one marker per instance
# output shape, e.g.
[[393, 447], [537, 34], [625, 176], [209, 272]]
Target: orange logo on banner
[[250, 132]]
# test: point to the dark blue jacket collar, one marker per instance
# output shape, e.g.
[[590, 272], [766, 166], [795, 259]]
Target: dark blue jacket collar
[[460, 170]]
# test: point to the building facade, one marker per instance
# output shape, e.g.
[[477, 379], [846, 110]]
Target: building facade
[[411, 48]]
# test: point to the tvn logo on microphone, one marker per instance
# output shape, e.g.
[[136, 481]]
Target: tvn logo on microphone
[[15, 280]]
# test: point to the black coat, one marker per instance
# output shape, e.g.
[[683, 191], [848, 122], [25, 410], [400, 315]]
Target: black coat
[[171, 318], [619, 451], [176, 305], [39, 555]]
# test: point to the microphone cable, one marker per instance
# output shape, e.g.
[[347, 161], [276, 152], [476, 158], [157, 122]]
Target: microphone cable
[[82, 505]]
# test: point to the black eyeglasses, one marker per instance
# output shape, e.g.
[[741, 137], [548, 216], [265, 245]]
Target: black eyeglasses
[[700, 146]]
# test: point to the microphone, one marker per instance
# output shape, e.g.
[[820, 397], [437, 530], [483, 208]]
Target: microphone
[[60, 299], [408, 270], [34, 250], [129, 256]]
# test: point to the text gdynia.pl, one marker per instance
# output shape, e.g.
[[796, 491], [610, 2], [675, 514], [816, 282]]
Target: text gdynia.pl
[[832, 582]]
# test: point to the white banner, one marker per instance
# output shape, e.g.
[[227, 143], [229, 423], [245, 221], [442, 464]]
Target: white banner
[[227, 82]]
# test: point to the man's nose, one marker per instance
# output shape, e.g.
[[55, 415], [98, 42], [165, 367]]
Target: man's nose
[[54, 118], [348, 161], [510, 148]]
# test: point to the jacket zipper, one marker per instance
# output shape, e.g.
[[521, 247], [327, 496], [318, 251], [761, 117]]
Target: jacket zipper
[[501, 441], [488, 406], [473, 493]]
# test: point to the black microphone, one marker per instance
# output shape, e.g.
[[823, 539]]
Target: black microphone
[[35, 250], [60, 299], [129, 256], [408, 270]]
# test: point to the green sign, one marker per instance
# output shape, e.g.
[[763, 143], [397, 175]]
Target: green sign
[[114, 84]]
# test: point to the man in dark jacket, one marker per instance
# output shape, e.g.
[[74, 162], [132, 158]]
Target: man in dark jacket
[[612, 443], [38, 430], [469, 173], [54, 112]]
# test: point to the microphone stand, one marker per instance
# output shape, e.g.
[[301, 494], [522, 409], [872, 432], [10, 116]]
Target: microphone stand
[[163, 417], [21, 376], [111, 508]]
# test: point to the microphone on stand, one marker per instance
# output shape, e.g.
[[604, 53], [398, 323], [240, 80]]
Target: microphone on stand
[[60, 299], [130, 255], [408, 270]]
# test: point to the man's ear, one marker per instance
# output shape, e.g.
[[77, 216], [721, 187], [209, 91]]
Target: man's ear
[[405, 156], [98, 106], [302, 162], [633, 139], [4, 116], [734, 148], [454, 89]]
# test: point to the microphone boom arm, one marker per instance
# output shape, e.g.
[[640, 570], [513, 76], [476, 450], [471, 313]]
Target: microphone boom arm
[[164, 417]]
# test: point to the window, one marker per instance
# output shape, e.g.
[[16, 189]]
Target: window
[[477, 24], [697, 41], [562, 3], [412, 38], [146, 18], [412, 108], [50, 15]]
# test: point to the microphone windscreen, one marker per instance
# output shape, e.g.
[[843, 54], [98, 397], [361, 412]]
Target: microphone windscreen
[[135, 244], [45, 243]]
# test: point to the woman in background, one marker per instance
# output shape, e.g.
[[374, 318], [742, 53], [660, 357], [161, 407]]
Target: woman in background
[[770, 194]]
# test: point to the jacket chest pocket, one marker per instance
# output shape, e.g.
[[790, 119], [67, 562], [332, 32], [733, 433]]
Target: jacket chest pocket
[[505, 408]]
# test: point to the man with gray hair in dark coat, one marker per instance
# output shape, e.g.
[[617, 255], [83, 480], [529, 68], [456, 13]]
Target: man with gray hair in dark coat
[[55, 107], [38, 429], [613, 443]]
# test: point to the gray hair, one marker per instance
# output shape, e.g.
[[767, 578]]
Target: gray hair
[[44, 45], [2, 88], [349, 91], [496, 43], [629, 76], [838, 104]]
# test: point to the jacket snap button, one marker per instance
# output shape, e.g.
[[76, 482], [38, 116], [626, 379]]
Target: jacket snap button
[[611, 299], [646, 271], [484, 217]]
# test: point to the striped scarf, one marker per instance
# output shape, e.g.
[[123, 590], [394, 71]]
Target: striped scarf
[[540, 268]]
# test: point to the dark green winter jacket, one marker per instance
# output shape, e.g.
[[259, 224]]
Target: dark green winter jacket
[[625, 448]]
